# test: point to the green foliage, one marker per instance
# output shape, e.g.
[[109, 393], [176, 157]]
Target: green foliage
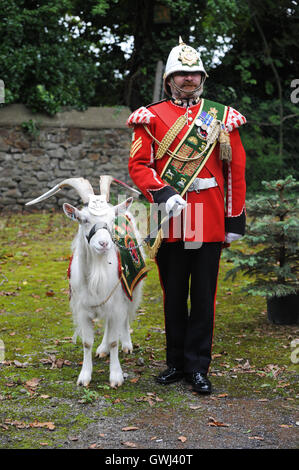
[[41, 99], [44, 65], [102, 7], [31, 127], [255, 77], [272, 240], [89, 396], [69, 53]]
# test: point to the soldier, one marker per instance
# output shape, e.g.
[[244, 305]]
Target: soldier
[[184, 150]]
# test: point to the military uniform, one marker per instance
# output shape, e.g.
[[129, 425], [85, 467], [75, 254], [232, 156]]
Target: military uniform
[[219, 217], [222, 200]]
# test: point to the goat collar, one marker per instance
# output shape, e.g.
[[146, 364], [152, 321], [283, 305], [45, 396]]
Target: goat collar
[[95, 228]]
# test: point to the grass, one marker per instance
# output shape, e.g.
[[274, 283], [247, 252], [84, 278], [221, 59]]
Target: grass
[[251, 357]]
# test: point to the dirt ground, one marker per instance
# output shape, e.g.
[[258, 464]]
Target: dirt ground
[[212, 423], [181, 431], [198, 422]]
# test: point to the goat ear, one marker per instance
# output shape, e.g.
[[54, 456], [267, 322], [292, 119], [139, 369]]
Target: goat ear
[[72, 212], [123, 206]]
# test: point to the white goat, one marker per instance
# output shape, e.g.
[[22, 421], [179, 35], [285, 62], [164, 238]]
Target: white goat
[[96, 291]]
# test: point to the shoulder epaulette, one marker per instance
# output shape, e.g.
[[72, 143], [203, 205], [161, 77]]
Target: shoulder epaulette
[[142, 115], [234, 119]]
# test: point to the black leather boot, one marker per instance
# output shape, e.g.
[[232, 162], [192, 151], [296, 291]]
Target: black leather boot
[[170, 375], [200, 382]]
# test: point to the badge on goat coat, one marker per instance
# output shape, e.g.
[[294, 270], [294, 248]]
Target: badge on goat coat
[[132, 267], [97, 205]]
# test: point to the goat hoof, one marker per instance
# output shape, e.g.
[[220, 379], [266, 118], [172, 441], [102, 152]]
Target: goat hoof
[[84, 380], [127, 349], [115, 384], [80, 383], [116, 381], [101, 354]]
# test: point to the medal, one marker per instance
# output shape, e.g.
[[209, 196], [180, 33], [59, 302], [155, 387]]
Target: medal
[[205, 124]]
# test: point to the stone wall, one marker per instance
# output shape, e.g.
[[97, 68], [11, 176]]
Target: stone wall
[[71, 144]]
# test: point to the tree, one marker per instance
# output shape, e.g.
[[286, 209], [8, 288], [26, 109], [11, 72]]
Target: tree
[[44, 65], [71, 53], [272, 238], [256, 74], [77, 53]]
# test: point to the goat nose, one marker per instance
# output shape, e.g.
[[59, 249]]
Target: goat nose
[[103, 243]]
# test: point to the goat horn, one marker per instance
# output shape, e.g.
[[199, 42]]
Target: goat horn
[[81, 185], [105, 183]]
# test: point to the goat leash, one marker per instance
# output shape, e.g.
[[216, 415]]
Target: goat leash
[[103, 225], [146, 240]]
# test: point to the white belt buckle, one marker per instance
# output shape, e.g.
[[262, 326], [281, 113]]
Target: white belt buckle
[[194, 186], [202, 183], [196, 183]]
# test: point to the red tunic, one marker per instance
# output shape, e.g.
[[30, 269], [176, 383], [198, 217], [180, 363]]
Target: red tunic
[[218, 204]]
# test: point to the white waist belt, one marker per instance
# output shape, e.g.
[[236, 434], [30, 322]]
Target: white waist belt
[[203, 183]]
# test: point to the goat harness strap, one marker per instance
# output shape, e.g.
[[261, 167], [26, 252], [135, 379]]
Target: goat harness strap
[[95, 228], [106, 300], [131, 265]]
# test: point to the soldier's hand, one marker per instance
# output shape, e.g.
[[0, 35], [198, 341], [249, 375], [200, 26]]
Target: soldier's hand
[[175, 204]]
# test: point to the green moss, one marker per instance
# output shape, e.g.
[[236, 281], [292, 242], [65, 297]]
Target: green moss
[[251, 357]]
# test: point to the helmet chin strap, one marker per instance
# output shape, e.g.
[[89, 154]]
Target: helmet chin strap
[[190, 94]]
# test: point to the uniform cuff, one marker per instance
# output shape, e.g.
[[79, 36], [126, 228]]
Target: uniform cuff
[[163, 194], [236, 224]]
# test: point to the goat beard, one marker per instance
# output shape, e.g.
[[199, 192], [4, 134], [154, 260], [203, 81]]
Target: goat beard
[[97, 280]]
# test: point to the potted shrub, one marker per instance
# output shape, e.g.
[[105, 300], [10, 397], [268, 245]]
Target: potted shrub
[[271, 254]]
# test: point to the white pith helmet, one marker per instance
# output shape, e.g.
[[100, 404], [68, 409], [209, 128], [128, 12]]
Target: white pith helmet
[[182, 58]]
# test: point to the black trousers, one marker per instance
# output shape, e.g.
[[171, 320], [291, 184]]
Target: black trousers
[[189, 334]]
